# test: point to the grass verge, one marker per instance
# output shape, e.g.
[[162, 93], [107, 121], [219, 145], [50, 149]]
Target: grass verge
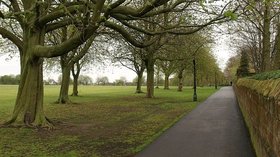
[[104, 121]]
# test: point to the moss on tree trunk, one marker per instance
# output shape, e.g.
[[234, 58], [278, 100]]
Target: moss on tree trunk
[[29, 103], [28, 108]]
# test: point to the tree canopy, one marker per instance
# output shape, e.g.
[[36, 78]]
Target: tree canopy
[[146, 24]]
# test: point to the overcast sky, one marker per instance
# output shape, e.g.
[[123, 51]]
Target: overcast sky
[[221, 49]]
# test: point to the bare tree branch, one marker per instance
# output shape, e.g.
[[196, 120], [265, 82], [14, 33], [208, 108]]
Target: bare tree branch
[[9, 35]]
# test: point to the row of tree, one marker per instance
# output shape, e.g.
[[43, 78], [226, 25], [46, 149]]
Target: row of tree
[[159, 30], [173, 58]]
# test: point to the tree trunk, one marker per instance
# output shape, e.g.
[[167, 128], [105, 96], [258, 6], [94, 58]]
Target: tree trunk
[[166, 82], [260, 48], [139, 82], [180, 84], [65, 64], [277, 45], [266, 38], [29, 103], [150, 77], [64, 88], [200, 83], [76, 77], [75, 86], [157, 78]]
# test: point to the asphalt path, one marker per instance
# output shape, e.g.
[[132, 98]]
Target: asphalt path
[[214, 129]]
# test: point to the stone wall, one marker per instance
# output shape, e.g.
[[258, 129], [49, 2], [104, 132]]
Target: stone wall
[[260, 105]]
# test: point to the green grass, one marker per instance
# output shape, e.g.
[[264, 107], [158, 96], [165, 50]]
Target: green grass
[[103, 121]]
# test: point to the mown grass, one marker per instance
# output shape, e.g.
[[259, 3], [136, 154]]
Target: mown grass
[[103, 121]]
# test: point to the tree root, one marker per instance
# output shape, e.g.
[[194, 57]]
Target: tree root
[[64, 102], [75, 95], [44, 124]]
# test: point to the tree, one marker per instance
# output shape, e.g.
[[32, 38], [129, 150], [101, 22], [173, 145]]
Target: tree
[[10, 79], [76, 69], [175, 56], [102, 80], [67, 61], [121, 81], [93, 56], [135, 81], [37, 18], [167, 67], [42, 18], [207, 68], [193, 23], [158, 76], [243, 69], [85, 80], [199, 45], [152, 51], [130, 57], [276, 54], [194, 56], [50, 81], [231, 68], [257, 27]]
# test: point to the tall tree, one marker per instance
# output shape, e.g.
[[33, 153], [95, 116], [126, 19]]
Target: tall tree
[[276, 52], [193, 23], [168, 67], [85, 80], [102, 80], [36, 18], [231, 68], [256, 27], [130, 57], [67, 61]]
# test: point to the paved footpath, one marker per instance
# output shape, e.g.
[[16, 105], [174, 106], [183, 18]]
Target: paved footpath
[[214, 129]]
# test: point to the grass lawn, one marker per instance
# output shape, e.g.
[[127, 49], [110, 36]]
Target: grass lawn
[[103, 121]]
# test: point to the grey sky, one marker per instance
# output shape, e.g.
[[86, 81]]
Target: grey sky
[[221, 49]]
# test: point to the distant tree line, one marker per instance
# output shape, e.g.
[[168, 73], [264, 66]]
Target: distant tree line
[[83, 80], [10, 79]]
